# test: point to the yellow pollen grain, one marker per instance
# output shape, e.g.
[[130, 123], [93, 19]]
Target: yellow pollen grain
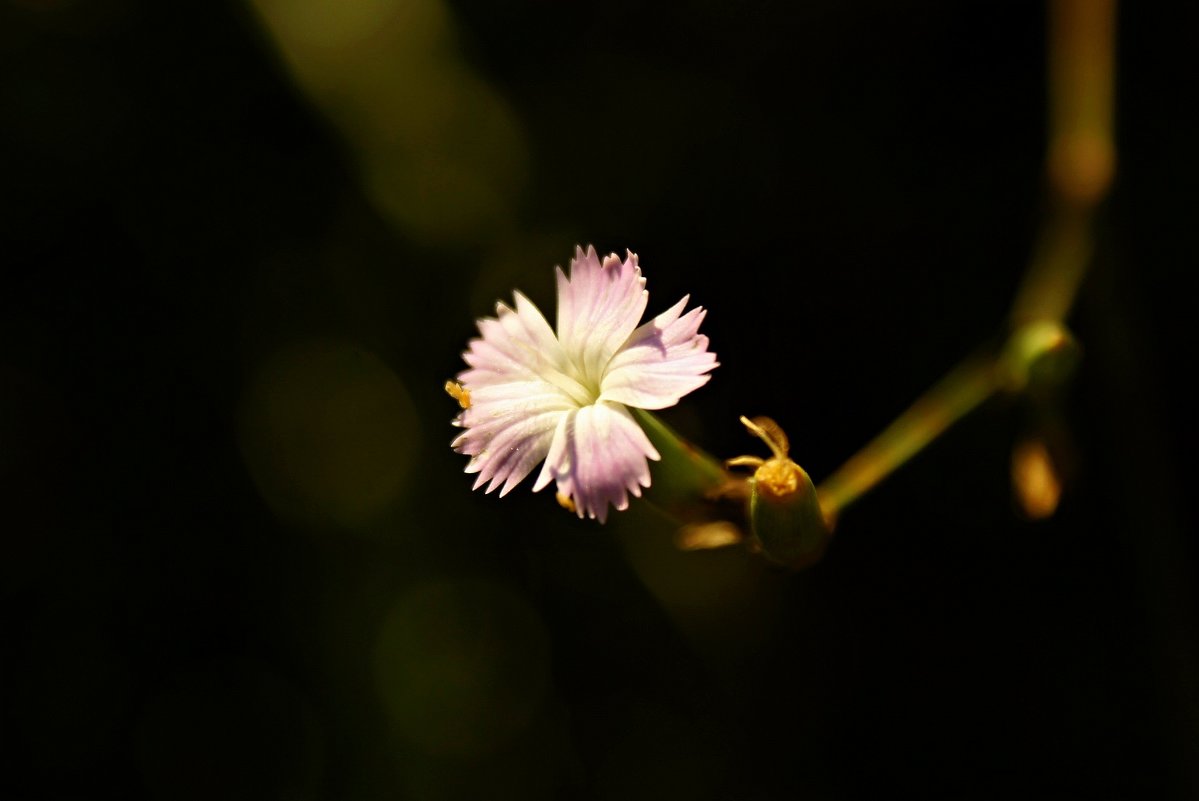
[[458, 393]]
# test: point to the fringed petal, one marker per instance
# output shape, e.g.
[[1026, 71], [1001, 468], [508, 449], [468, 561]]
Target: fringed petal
[[597, 458], [599, 305], [661, 362]]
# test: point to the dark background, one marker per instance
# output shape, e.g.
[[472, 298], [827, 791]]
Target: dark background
[[241, 561]]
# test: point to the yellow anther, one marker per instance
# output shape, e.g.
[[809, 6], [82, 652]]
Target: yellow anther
[[458, 393], [565, 502]]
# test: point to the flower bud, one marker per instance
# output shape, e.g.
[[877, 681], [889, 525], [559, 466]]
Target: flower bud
[[784, 512]]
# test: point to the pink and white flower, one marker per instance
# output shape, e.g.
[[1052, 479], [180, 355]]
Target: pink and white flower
[[564, 397]]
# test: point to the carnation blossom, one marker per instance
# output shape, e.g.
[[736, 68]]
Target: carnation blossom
[[533, 394]]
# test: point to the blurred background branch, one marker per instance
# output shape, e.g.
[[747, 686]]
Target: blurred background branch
[[1080, 162]]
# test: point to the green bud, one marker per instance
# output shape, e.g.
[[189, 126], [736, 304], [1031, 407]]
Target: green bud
[[785, 514]]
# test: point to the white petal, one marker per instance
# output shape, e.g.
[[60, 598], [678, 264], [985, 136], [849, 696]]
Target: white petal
[[597, 458], [514, 450], [518, 345], [535, 394], [496, 408], [599, 305], [661, 362], [516, 399]]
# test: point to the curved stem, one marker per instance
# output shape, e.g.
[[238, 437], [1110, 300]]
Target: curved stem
[[1080, 165], [948, 401]]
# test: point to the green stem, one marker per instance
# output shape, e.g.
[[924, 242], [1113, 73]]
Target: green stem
[[1039, 351], [686, 478], [948, 401], [1080, 165]]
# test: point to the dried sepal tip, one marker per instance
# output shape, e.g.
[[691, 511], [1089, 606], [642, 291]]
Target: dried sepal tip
[[707, 536], [778, 476]]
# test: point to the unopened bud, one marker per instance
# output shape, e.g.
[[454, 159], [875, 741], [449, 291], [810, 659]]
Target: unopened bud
[[784, 511]]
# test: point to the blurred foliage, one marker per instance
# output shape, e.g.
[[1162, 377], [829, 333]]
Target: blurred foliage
[[440, 153], [246, 242], [328, 434]]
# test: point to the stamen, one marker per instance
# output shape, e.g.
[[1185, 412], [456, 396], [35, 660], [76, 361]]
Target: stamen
[[565, 502], [458, 393]]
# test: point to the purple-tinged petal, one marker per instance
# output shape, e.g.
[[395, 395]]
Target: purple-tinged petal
[[597, 458], [512, 452], [661, 362], [518, 345], [517, 395], [533, 394], [496, 408], [599, 305]]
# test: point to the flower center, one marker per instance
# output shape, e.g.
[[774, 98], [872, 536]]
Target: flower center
[[573, 383], [590, 384]]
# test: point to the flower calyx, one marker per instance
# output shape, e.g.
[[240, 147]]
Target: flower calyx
[[784, 512]]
